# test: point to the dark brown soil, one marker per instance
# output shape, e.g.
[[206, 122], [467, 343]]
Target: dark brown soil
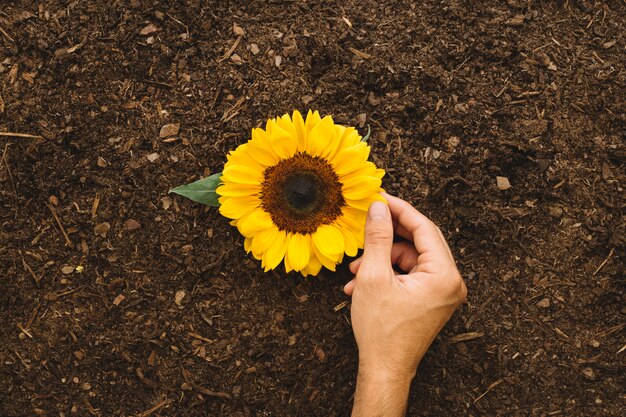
[[162, 313]]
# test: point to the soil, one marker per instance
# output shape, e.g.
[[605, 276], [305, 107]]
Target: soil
[[119, 299]]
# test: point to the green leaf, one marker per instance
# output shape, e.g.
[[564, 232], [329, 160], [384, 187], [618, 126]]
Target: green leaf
[[366, 137], [201, 191]]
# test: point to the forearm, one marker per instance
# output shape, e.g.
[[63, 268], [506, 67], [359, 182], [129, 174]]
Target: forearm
[[377, 395]]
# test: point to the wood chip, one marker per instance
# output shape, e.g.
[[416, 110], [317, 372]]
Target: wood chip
[[503, 183], [464, 337], [117, 300], [152, 157], [67, 269], [254, 48]]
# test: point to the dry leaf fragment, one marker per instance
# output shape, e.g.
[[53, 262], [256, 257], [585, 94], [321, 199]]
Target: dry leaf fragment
[[166, 202], [361, 119], [132, 224], [238, 30], [169, 130], [148, 29], [178, 297], [102, 229], [517, 20]]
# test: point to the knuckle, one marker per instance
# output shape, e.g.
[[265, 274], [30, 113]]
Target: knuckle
[[378, 235]]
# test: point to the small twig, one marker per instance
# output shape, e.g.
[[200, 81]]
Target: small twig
[[7, 35], [68, 242], [197, 336], [231, 50], [159, 83], [604, 262], [94, 208], [157, 406], [489, 388], [210, 393], [179, 22], [360, 54], [23, 330], [29, 269], [20, 135]]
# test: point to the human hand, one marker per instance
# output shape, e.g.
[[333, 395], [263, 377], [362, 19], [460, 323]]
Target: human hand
[[395, 317]]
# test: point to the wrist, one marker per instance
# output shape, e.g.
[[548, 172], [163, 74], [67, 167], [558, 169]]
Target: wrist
[[388, 371], [382, 374], [381, 392]]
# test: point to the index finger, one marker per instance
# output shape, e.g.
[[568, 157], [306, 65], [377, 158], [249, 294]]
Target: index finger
[[426, 235]]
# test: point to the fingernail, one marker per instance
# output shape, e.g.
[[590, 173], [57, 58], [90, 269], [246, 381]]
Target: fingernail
[[378, 210]]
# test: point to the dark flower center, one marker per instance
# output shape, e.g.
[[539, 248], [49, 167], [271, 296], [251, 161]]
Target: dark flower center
[[301, 193]]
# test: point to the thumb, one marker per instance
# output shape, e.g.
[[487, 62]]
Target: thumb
[[378, 241]]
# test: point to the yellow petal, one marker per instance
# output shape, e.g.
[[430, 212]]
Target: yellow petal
[[254, 222], [243, 157], [329, 241], [262, 153], [321, 139], [236, 207], [330, 264], [301, 133], [288, 267], [350, 137], [360, 187], [242, 175], [283, 143], [366, 169], [351, 159], [247, 243], [238, 190], [312, 119], [263, 241], [314, 266], [298, 250], [286, 124], [364, 204], [350, 241], [276, 252]]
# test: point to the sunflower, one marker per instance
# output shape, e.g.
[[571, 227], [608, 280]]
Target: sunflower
[[299, 191]]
